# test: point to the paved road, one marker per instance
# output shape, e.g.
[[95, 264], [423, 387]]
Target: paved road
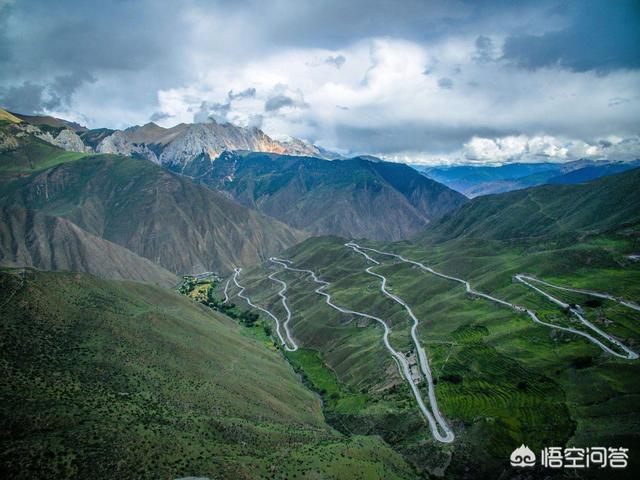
[[236, 272], [591, 293], [226, 291], [401, 361], [285, 324], [577, 311], [422, 356], [629, 354]]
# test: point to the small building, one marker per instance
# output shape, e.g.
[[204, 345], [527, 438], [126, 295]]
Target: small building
[[415, 374]]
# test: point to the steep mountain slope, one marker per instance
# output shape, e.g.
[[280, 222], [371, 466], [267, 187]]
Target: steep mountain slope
[[500, 378], [355, 198], [51, 130], [158, 215], [32, 239], [545, 211], [125, 380]]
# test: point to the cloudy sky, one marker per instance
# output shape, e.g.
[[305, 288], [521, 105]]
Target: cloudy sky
[[411, 80]]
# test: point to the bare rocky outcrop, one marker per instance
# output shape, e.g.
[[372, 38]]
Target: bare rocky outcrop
[[66, 139], [119, 143], [190, 149]]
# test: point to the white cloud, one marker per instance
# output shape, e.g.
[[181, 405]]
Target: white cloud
[[336, 85], [524, 149], [381, 101]]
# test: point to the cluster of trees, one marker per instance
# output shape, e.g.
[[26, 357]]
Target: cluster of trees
[[246, 317], [187, 285]]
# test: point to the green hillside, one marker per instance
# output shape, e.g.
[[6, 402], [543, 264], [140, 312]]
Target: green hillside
[[549, 210], [131, 381]]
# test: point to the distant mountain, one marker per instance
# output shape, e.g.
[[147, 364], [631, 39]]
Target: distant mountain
[[593, 172], [353, 198], [546, 210], [474, 181], [156, 214], [31, 239]]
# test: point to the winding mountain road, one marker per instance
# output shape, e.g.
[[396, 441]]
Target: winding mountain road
[[629, 354], [236, 273], [283, 297], [591, 293], [447, 436], [226, 291], [422, 356]]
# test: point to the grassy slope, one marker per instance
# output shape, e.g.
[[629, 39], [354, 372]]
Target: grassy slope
[[8, 117], [598, 262], [370, 396], [127, 380]]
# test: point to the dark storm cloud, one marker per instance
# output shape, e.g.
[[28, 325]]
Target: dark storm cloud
[[408, 136], [64, 86], [212, 111], [57, 47], [25, 98], [445, 83], [36, 98], [219, 111], [337, 60], [485, 50], [277, 102], [157, 116], [247, 93], [601, 36], [171, 61], [90, 35]]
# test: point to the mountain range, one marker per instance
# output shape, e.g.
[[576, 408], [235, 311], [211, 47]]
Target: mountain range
[[291, 181], [176, 147], [106, 373]]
